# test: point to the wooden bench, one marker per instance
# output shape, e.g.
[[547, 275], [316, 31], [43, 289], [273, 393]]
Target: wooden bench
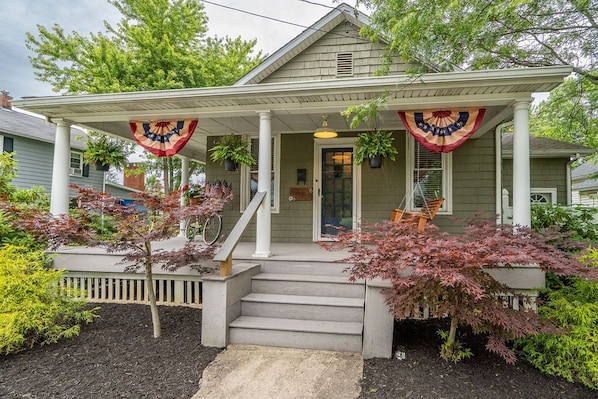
[[420, 217]]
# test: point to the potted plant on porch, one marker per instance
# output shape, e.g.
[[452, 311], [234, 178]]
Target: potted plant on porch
[[104, 152], [374, 146], [232, 150]]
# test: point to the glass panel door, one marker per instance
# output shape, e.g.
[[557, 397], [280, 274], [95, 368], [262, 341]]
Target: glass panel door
[[337, 190]]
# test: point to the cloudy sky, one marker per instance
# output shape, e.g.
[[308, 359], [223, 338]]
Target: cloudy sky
[[85, 16]]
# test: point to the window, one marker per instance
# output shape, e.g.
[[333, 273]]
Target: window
[[429, 176], [543, 195], [6, 144], [76, 164], [249, 176]]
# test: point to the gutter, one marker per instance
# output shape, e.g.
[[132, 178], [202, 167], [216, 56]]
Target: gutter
[[545, 75]]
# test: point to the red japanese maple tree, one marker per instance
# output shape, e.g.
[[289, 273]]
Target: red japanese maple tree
[[448, 274], [135, 230]]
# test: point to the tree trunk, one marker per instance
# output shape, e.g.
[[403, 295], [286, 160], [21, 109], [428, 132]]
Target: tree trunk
[[166, 175], [450, 341], [149, 281]]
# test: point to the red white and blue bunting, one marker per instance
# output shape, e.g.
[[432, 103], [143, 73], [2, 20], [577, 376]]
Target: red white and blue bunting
[[442, 130], [163, 138]]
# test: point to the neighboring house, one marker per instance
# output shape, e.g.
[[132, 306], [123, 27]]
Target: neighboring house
[[585, 184], [305, 184], [31, 138], [550, 165]]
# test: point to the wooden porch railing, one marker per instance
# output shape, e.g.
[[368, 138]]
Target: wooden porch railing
[[225, 253], [170, 289]]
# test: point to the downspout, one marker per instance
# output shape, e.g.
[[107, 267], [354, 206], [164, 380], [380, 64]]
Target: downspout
[[569, 189], [498, 145]]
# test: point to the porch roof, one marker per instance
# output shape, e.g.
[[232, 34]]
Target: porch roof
[[297, 107]]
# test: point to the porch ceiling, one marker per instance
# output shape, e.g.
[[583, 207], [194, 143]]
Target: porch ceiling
[[298, 107]]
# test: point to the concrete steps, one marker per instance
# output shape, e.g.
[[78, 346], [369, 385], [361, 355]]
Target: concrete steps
[[302, 305]]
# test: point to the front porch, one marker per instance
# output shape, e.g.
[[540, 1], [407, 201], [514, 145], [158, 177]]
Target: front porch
[[297, 297]]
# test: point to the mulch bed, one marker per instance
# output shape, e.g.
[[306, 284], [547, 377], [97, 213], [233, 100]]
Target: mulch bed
[[116, 357], [423, 374]]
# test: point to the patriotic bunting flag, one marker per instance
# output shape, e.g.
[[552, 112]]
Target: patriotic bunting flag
[[163, 138], [442, 130]]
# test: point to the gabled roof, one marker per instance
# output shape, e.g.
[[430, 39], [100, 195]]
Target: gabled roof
[[543, 147], [584, 170], [35, 128], [343, 12], [581, 176]]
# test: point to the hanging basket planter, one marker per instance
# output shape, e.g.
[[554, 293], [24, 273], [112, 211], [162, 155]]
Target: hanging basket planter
[[103, 167], [230, 165], [375, 162]]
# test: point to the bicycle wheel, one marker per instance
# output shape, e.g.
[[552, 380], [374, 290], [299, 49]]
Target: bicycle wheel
[[212, 228], [193, 228]]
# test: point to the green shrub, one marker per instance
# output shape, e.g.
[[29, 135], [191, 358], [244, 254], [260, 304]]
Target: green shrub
[[578, 220], [32, 309], [572, 355], [11, 235]]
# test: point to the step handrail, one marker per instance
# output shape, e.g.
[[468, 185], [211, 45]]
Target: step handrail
[[225, 253]]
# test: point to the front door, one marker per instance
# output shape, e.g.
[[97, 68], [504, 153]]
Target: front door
[[336, 187]]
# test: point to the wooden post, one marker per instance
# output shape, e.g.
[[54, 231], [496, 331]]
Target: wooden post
[[226, 266]]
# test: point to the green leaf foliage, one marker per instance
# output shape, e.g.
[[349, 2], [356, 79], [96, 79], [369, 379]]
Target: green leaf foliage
[[445, 34], [572, 355], [233, 147], [32, 309], [369, 145], [569, 114], [106, 151], [157, 45], [578, 221], [572, 302]]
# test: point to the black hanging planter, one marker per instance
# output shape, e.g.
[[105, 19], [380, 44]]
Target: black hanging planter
[[103, 167], [230, 165], [376, 162]]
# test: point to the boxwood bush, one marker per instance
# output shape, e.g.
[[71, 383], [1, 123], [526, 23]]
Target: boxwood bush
[[32, 308], [572, 302]]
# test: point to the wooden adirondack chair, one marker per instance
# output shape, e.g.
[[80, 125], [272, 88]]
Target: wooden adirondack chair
[[420, 217]]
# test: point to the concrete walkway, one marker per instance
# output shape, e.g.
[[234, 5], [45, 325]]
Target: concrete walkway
[[250, 372]]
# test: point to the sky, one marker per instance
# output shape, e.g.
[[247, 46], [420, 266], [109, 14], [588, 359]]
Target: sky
[[87, 16]]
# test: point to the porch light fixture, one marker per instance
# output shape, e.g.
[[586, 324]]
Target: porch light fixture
[[325, 132]]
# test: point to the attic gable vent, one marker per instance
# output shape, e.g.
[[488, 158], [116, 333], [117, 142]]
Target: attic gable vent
[[344, 64]]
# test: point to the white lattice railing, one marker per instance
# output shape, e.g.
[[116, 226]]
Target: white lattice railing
[[508, 301], [130, 288]]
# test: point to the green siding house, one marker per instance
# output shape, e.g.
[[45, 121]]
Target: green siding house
[[31, 138], [306, 184]]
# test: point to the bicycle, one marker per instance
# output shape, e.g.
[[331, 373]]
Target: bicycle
[[209, 227]]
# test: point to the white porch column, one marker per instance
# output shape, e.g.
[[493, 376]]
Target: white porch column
[[263, 224], [59, 197], [521, 165], [184, 180]]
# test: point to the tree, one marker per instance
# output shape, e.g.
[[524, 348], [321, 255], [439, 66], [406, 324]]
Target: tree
[[490, 34], [570, 114], [451, 275], [153, 168], [135, 230], [157, 45]]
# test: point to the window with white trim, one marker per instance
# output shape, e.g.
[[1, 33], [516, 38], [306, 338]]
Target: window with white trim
[[429, 176], [76, 164], [543, 195], [249, 176]]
